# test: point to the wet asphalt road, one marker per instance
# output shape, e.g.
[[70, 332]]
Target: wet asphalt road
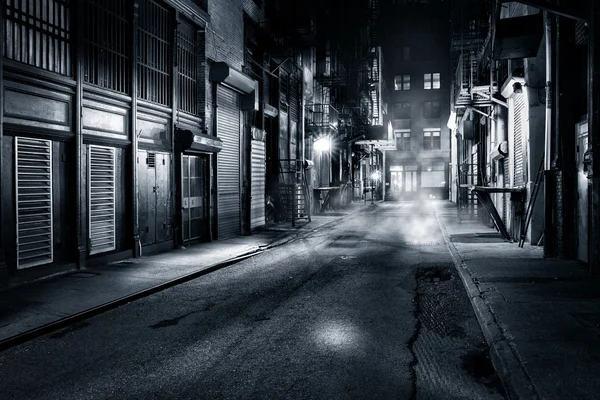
[[370, 308]]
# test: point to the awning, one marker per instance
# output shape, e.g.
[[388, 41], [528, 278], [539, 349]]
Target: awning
[[518, 37], [194, 140]]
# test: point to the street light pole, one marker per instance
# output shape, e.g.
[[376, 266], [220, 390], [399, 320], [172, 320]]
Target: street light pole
[[372, 176]]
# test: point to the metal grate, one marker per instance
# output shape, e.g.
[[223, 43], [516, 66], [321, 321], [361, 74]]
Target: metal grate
[[151, 160], [187, 63], [34, 202], [106, 62], [154, 61], [37, 33], [101, 200]]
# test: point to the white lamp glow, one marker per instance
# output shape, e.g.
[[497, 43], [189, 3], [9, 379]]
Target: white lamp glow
[[322, 144]]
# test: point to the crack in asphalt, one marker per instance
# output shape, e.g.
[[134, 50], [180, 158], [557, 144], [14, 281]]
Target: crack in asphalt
[[412, 340]]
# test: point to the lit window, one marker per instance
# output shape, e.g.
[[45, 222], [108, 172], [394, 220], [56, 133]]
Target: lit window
[[402, 82], [432, 139], [431, 81]]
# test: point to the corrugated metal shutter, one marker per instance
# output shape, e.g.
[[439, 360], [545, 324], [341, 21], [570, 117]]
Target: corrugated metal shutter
[[101, 173], [506, 162], [257, 206], [519, 105], [228, 164], [34, 202]]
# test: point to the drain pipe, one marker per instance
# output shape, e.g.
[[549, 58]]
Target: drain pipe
[[548, 160]]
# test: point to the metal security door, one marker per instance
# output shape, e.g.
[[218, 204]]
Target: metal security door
[[154, 197], [194, 201], [228, 164], [257, 201], [582, 194]]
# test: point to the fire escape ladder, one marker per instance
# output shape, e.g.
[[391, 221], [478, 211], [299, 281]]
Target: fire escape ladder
[[293, 191]]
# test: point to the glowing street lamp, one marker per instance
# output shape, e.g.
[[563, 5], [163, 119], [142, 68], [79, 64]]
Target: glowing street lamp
[[376, 176], [322, 145]]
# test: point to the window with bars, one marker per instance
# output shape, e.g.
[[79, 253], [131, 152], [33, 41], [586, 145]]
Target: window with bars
[[37, 33], [187, 64], [431, 81], [101, 200], [402, 82], [432, 139], [402, 111], [402, 139], [106, 63], [34, 202], [431, 109], [154, 49]]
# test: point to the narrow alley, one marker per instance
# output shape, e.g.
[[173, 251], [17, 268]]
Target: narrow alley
[[369, 307]]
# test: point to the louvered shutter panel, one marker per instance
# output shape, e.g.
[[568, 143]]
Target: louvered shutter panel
[[34, 202], [519, 105], [101, 172]]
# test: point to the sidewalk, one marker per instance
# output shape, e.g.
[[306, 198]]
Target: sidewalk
[[540, 317], [33, 309]]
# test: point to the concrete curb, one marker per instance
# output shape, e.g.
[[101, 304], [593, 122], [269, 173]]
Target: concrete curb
[[508, 365]]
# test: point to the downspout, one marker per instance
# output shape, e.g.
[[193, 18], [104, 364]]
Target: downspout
[[137, 244], [213, 181], [81, 204], [548, 126], [3, 269]]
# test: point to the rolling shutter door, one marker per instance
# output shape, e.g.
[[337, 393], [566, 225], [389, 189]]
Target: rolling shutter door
[[257, 206], [228, 164], [519, 104], [34, 202], [101, 173]]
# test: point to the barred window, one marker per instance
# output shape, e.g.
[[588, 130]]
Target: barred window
[[107, 39], [37, 33], [154, 50], [187, 63]]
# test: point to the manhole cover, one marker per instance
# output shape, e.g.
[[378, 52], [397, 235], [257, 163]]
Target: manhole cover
[[347, 257]]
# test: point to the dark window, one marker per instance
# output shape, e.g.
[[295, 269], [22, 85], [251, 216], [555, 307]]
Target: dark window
[[403, 140], [154, 61], [432, 139], [187, 67], [107, 41], [403, 53], [431, 109], [37, 33], [402, 111]]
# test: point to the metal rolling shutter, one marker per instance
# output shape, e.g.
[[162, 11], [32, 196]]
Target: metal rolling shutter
[[519, 105], [101, 201], [257, 206], [505, 196], [34, 202], [228, 164]]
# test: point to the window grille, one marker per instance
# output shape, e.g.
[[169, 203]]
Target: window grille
[[154, 61], [187, 63], [34, 202], [37, 33], [107, 41], [101, 172]]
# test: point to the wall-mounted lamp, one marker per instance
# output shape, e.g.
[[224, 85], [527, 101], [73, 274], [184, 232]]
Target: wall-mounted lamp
[[322, 144], [517, 87]]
